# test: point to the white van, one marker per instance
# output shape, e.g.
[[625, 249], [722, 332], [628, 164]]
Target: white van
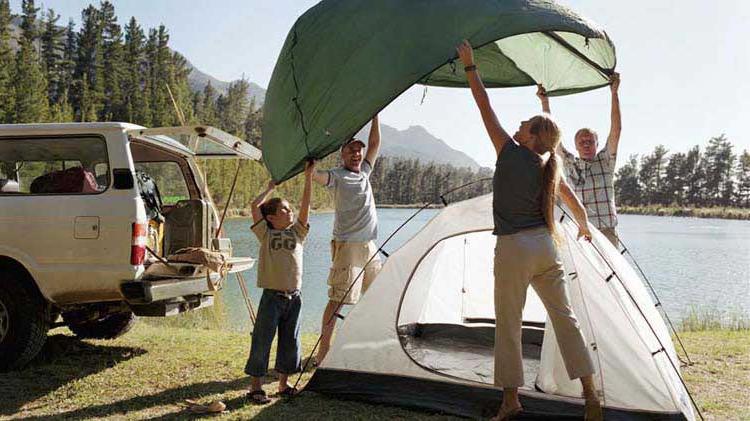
[[87, 210]]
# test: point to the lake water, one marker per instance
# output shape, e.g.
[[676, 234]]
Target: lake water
[[692, 263]]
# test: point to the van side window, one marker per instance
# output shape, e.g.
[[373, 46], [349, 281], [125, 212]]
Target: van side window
[[169, 178], [69, 165]]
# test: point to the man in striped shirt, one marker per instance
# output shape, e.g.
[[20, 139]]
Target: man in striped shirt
[[592, 173]]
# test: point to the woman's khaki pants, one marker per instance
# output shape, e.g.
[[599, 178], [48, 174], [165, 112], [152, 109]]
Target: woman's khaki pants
[[530, 257]]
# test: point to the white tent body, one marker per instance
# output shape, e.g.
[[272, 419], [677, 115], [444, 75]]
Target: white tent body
[[443, 277]]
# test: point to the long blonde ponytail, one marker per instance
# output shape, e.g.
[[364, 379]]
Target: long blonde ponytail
[[548, 134], [550, 186]]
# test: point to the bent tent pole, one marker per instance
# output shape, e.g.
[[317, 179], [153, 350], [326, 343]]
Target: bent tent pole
[[659, 304], [380, 249], [645, 319]]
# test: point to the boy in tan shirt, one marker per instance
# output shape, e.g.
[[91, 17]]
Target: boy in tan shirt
[[280, 276]]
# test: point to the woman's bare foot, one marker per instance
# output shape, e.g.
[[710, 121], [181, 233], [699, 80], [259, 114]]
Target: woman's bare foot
[[593, 410], [506, 413]]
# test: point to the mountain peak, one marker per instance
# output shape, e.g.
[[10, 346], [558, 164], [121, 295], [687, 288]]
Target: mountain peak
[[416, 142]]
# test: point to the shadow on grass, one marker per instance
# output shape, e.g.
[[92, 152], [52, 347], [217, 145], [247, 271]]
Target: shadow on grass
[[174, 396], [62, 360]]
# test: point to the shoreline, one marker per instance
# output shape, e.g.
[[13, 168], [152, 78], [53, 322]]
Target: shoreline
[[246, 212], [739, 214]]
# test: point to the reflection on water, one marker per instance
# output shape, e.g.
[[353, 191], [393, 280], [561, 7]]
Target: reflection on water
[[692, 263]]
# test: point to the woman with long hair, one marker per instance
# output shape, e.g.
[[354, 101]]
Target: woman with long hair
[[525, 186]]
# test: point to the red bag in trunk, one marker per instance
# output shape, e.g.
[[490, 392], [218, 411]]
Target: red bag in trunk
[[71, 180]]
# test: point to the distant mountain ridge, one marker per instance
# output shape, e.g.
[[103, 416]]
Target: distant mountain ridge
[[198, 80], [416, 142]]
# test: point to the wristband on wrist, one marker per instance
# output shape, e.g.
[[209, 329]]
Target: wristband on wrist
[[471, 68]]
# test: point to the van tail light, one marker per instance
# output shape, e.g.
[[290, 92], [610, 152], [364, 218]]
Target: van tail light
[[138, 244]]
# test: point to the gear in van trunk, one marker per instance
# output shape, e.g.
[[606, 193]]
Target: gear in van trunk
[[150, 194]]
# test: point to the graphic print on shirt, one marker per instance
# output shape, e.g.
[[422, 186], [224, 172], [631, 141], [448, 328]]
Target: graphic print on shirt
[[282, 239]]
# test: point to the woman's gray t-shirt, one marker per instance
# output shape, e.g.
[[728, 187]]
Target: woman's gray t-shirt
[[517, 190], [355, 219]]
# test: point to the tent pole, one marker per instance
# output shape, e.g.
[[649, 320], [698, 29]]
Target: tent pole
[[565, 44]]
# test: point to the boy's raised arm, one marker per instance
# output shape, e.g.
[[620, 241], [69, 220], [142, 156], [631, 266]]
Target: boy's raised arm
[[255, 206], [304, 207]]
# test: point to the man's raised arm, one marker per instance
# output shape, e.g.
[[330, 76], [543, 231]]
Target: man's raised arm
[[613, 140], [541, 93], [373, 142]]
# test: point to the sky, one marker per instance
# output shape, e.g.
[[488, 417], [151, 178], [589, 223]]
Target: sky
[[684, 67]]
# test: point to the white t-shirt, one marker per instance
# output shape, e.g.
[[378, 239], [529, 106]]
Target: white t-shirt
[[355, 219]]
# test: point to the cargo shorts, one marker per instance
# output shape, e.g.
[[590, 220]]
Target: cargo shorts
[[348, 260]]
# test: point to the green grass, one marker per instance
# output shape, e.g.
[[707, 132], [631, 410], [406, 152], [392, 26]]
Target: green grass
[[149, 372], [715, 212]]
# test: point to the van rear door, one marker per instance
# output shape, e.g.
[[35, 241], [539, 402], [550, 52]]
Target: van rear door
[[204, 141]]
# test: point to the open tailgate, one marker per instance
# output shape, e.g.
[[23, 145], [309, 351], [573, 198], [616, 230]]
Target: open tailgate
[[204, 141]]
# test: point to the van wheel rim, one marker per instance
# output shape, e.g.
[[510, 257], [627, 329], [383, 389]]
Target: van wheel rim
[[4, 321]]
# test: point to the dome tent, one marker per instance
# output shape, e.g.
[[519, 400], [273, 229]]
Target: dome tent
[[422, 336], [344, 60]]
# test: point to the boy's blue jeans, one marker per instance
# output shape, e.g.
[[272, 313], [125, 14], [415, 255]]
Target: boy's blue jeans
[[276, 310]]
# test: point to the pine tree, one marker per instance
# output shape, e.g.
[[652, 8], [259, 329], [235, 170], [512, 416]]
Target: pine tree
[[673, 188], [178, 71], [29, 81], [134, 83], [112, 55], [158, 57], [208, 114], [651, 175], [232, 108], [89, 71], [719, 170], [743, 180], [52, 56], [68, 65], [7, 65], [253, 124], [695, 176]]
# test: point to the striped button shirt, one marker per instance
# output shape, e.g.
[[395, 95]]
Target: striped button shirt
[[593, 182]]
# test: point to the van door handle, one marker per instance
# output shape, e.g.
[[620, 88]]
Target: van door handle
[[86, 227]]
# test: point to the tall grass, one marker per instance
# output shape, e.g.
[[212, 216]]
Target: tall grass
[[701, 320]]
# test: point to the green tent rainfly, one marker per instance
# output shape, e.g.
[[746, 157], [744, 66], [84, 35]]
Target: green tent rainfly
[[345, 60]]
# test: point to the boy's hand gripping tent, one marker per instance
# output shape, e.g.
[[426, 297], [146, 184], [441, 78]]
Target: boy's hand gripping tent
[[344, 60]]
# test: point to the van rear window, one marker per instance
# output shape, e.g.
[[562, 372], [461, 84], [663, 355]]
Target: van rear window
[[69, 165], [169, 179]]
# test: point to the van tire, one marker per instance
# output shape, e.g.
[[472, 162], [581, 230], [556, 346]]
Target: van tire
[[110, 326], [24, 322]]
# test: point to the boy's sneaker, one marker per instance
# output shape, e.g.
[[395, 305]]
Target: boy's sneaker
[[258, 397]]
